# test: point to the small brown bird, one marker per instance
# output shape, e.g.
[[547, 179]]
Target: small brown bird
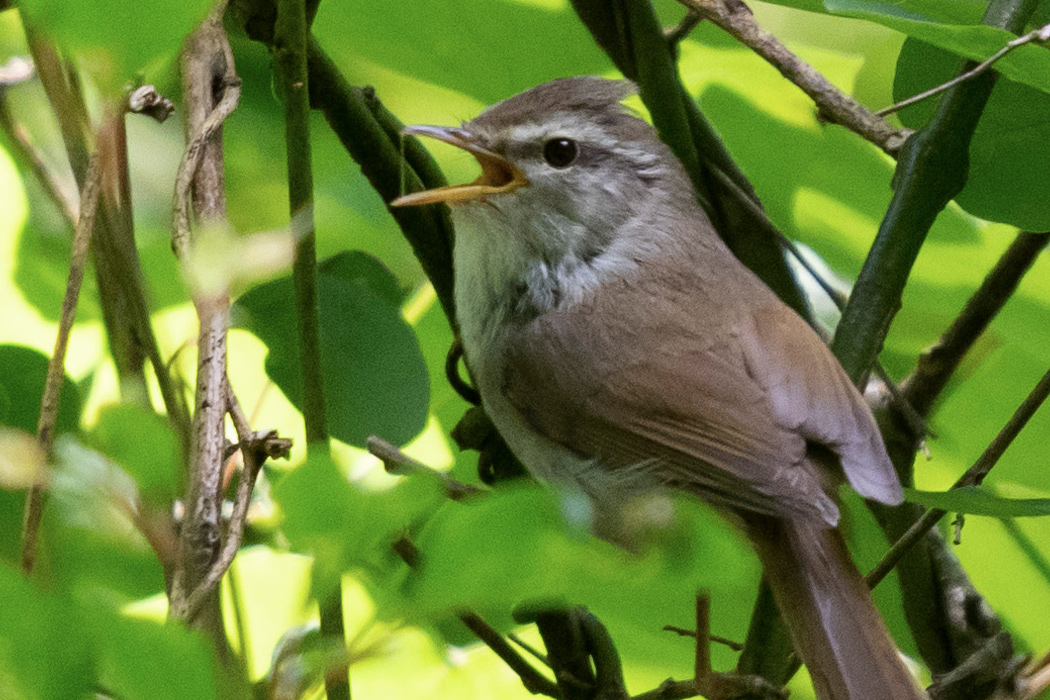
[[619, 346]]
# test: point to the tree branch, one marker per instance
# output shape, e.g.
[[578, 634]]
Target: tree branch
[[972, 477], [211, 90], [1040, 35], [735, 18], [253, 453], [931, 170], [397, 462], [372, 137], [628, 30], [938, 364], [89, 199]]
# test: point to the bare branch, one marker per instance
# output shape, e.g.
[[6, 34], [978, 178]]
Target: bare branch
[[938, 364], [397, 462], [251, 445], [56, 366], [973, 476], [1036, 35], [734, 17]]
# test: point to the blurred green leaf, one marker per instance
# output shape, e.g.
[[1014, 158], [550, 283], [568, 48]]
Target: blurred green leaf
[[116, 38], [1009, 178], [345, 527], [91, 538], [533, 545], [975, 500], [149, 660], [44, 654], [945, 11], [493, 33], [23, 372], [375, 377], [145, 445]]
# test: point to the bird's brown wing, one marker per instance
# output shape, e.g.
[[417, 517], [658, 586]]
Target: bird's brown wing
[[667, 384], [809, 392]]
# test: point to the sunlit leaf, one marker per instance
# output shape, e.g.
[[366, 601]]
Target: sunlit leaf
[[45, 651], [145, 445], [1029, 64], [149, 660], [345, 527], [22, 462], [91, 527]]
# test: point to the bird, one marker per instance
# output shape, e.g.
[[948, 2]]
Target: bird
[[620, 348]]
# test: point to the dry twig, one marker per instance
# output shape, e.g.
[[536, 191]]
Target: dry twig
[[973, 477], [56, 366], [1040, 35], [734, 17]]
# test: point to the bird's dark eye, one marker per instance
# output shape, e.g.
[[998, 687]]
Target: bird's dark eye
[[560, 153]]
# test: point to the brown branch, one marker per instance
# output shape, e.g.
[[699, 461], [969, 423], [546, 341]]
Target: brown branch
[[735, 18], [397, 462], [533, 680], [973, 477], [252, 447], [938, 364], [211, 90], [1042, 35], [56, 366]]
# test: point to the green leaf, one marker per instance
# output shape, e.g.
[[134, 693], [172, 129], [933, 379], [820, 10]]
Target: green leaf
[[145, 445], [375, 377], [23, 372], [1009, 178], [1029, 64], [348, 528], [524, 543], [91, 541], [945, 11], [148, 660], [502, 32], [975, 500], [115, 38], [43, 651]]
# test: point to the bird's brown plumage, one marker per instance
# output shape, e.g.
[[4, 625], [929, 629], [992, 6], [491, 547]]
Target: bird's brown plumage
[[613, 334]]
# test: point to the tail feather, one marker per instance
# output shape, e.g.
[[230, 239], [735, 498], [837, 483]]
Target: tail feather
[[835, 627]]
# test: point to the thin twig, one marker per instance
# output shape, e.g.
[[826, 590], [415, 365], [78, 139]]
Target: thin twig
[[56, 366], [1036, 35], [26, 152], [724, 641], [973, 476], [533, 680], [684, 28], [734, 17], [938, 364], [397, 462], [533, 651], [191, 161]]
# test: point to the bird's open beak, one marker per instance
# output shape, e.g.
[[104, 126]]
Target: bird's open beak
[[498, 176]]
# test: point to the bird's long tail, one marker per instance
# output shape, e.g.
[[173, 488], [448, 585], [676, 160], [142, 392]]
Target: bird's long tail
[[835, 627]]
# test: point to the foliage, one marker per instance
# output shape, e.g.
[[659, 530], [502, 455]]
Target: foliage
[[90, 619]]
